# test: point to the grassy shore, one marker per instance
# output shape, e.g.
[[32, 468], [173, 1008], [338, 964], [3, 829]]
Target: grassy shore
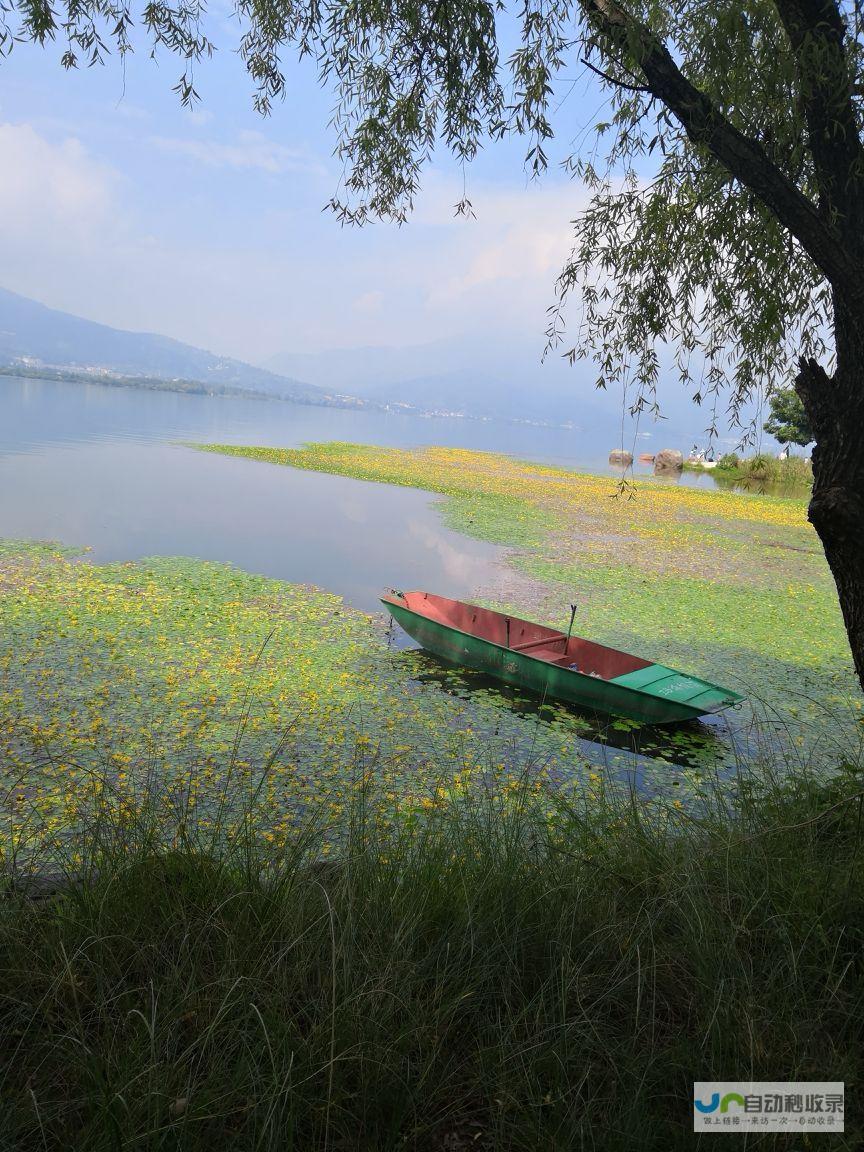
[[483, 979], [794, 475]]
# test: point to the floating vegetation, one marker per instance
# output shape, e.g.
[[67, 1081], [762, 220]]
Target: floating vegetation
[[181, 677], [728, 585]]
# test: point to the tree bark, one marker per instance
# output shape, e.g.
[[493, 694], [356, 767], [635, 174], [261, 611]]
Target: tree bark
[[835, 407]]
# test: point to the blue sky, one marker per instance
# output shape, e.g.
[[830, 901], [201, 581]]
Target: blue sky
[[119, 205]]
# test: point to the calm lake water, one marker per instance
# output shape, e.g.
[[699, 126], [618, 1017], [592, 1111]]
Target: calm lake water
[[96, 466]]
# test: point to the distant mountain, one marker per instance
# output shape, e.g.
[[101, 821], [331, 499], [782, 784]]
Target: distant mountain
[[367, 367], [35, 335], [487, 395], [476, 378], [500, 377]]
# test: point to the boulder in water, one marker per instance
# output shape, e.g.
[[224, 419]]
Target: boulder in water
[[620, 457], [668, 460]]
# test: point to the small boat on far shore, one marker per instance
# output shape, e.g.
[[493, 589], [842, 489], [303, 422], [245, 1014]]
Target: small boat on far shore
[[555, 664]]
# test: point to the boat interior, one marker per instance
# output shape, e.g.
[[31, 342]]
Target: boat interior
[[523, 636]]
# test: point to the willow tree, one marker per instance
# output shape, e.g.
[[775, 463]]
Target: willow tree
[[726, 213]]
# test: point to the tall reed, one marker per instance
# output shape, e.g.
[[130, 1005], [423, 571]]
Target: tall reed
[[505, 970]]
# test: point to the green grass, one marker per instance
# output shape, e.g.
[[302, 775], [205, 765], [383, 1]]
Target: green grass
[[786, 650], [484, 978], [794, 474]]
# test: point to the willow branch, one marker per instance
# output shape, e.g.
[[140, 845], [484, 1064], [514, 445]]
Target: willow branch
[[744, 158], [612, 80]]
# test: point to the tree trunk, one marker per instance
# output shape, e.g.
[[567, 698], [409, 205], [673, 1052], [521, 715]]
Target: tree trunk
[[835, 407]]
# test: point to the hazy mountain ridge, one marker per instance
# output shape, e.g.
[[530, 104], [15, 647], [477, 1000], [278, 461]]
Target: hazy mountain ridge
[[455, 377], [35, 335], [503, 377], [485, 378], [476, 378]]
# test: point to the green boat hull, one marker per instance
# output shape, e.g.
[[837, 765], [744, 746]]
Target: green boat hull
[[653, 693]]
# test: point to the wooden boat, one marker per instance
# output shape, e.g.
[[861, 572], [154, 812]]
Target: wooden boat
[[554, 664]]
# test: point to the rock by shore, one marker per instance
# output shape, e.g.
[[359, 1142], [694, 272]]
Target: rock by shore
[[668, 460], [620, 457]]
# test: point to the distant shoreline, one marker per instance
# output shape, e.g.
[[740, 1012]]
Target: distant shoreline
[[186, 387], [180, 385]]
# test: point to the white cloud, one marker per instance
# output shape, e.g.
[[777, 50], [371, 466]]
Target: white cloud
[[492, 273], [58, 217], [127, 111], [57, 187], [198, 116], [250, 150], [277, 274], [518, 237]]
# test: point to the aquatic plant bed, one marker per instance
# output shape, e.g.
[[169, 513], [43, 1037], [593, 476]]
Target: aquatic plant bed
[[730, 586], [313, 892], [208, 688]]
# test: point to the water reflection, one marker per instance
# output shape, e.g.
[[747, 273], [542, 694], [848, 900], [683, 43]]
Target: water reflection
[[128, 500], [39, 413], [101, 467], [762, 487], [89, 465], [640, 471], [707, 746]]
